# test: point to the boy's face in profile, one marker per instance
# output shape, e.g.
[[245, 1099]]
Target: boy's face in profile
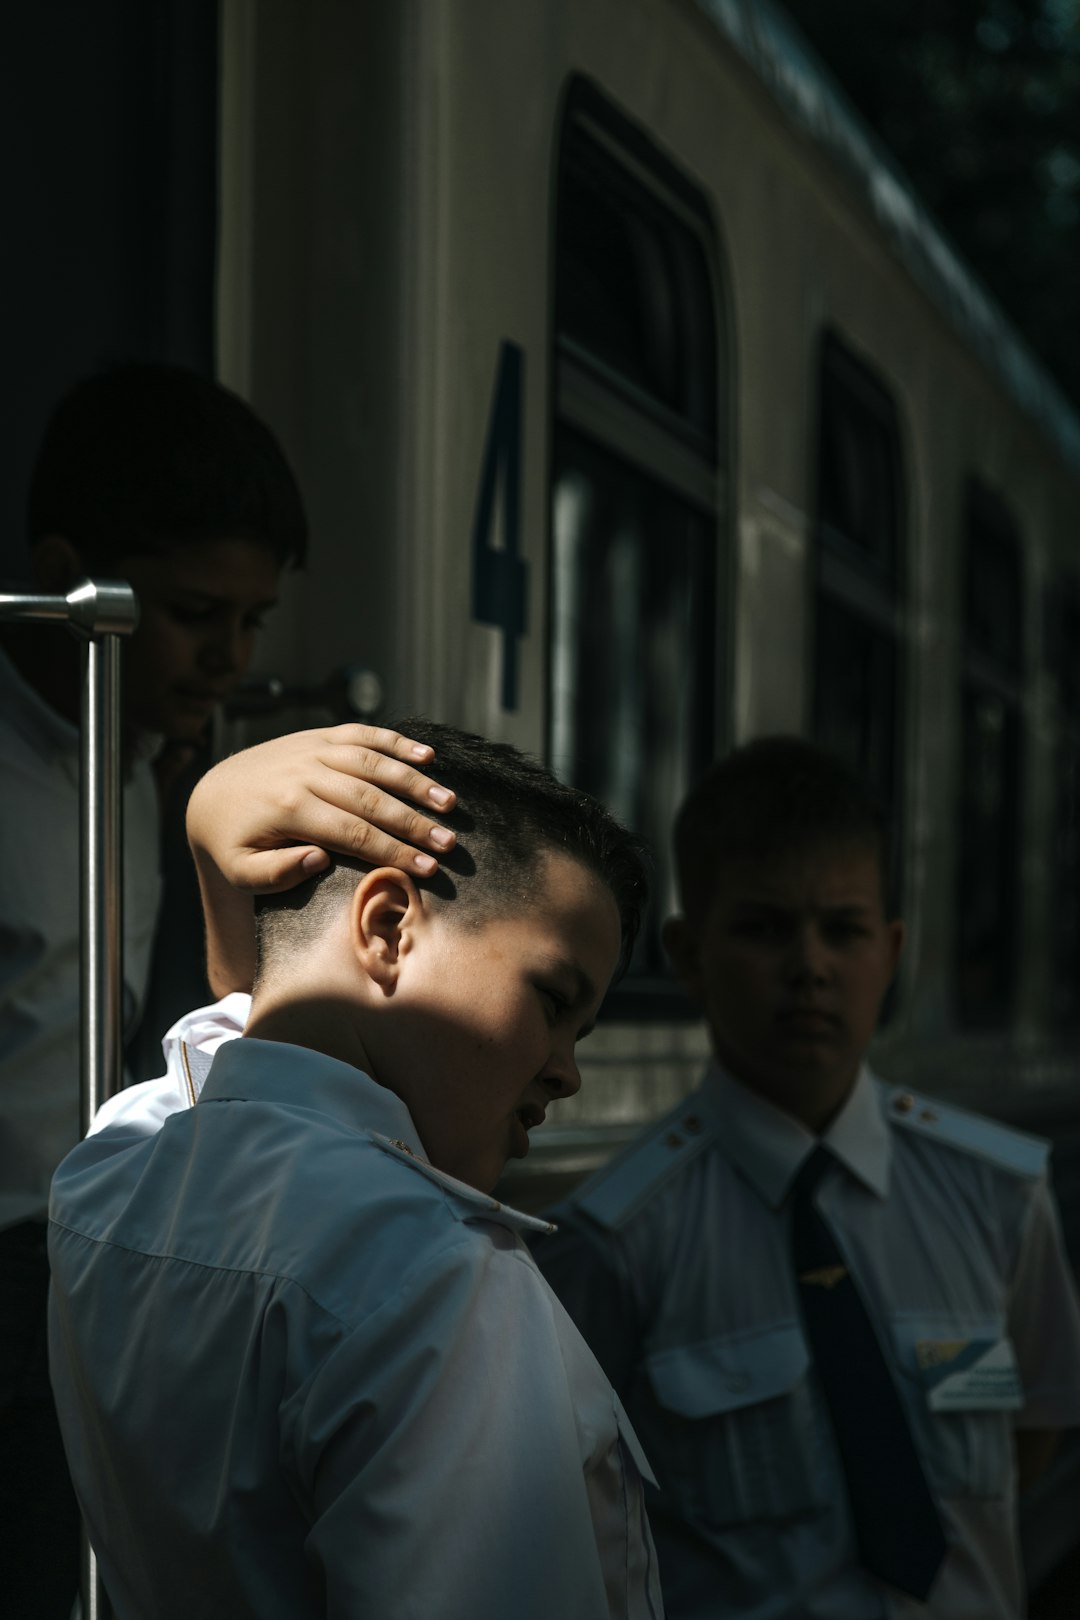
[[791, 962], [201, 606], [489, 1016]]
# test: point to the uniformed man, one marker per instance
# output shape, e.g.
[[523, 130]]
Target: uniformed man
[[838, 1313]]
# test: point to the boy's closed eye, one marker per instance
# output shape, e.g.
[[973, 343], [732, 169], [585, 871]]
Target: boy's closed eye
[[562, 1004], [555, 1002], [566, 993]]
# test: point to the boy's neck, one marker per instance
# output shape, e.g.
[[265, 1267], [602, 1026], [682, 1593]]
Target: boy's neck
[[813, 1104], [322, 1024]]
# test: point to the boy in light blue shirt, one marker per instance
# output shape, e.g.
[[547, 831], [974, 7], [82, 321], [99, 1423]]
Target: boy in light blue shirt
[[304, 1362]]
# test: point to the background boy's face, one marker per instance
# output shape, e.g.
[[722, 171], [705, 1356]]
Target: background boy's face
[[494, 1011], [791, 962], [200, 609]]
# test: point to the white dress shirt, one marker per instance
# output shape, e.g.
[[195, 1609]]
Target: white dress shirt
[[301, 1373], [188, 1049], [675, 1263], [39, 936]]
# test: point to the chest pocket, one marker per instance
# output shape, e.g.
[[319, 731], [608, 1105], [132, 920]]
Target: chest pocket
[[960, 1388], [731, 1427]]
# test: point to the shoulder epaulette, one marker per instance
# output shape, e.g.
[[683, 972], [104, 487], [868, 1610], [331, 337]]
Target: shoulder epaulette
[[189, 1066], [618, 1191], [477, 1203], [986, 1138]]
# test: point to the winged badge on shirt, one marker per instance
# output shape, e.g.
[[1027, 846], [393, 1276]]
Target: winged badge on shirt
[[824, 1276]]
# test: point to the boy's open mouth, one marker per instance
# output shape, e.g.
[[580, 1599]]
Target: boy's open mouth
[[525, 1119]]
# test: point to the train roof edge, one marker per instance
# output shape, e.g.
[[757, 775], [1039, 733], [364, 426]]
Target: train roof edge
[[798, 83]]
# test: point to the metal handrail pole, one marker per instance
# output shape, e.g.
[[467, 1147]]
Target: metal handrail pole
[[101, 933], [31, 605], [102, 611], [93, 607]]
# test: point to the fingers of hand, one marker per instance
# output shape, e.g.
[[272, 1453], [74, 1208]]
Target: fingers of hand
[[373, 825], [380, 740], [365, 764], [367, 843]]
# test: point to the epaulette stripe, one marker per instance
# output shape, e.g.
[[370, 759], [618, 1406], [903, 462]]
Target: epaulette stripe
[[189, 1079], [1009, 1149], [618, 1192], [477, 1203]]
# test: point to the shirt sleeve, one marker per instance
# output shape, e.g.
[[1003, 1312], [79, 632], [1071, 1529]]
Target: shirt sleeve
[[1044, 1319], [447, 1456]]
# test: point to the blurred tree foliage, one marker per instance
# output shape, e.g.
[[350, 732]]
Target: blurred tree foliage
[[979, 100]]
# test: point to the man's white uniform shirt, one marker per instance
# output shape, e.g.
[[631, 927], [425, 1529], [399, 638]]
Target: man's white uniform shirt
[[39, 936], [301, 1373], [676, 1264]]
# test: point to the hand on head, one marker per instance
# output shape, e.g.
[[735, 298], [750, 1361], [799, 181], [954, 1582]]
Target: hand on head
[[266, 818]]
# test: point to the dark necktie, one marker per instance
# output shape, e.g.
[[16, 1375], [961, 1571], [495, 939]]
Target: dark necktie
[[899, 1532]]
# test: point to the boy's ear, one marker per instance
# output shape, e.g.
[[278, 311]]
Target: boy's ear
[[383, 918], [681, 944], [55, 565]]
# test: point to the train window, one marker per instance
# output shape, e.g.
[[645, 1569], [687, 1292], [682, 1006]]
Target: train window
[[857, 668], [859, 467], [858, 610], [988, 796], [633, 292], [635, 497], [1064, 619]]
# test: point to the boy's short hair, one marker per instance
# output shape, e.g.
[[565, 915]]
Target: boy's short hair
[[769, 797], [511, 811], [146, 457]]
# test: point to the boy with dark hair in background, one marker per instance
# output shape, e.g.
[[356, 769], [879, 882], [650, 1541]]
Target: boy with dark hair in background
[[383, 1409], [159, 476], [839, 1314]]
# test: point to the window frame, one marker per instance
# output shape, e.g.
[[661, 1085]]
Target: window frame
[[1062, 659], [849, 580], [987, 514], [592, 400]]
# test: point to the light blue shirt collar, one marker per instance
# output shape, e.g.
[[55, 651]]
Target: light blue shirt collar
[[768, 1146], [249, 1070]]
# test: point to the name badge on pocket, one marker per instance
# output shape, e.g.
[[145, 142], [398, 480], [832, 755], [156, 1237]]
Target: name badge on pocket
[[969, 1375]]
